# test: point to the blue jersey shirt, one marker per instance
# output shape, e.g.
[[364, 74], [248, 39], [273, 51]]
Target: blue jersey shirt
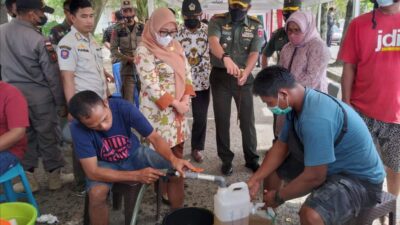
[[119, 141], [319, 125]]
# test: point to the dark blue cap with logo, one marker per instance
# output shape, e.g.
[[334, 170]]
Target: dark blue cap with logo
[[34, 4]]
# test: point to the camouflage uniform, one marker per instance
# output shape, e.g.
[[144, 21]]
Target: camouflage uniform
[[58, 32], [123, 44]]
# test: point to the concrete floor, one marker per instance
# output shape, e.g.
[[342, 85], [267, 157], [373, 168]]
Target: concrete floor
[[67, 205]]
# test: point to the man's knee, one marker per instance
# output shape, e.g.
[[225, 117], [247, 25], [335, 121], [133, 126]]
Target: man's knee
[[98, 195], [309, 216]]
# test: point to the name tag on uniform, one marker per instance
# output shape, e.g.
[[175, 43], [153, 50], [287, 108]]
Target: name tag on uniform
[[247, 35], [83, 50]]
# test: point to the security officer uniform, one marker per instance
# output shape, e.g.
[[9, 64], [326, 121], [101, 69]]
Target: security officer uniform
[[124, 41], [59, 31], [83, 56], [238, 40], [29, 62], [279, 37]]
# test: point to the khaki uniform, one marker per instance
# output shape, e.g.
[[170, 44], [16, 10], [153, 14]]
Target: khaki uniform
[[83, 56], [124, 43], [238, 40], [29, 62], [278, 39]]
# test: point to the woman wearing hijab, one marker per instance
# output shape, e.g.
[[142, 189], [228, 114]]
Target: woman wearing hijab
[[306, 55], [166, 84]]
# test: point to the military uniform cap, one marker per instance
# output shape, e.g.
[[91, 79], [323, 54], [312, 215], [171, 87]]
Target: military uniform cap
[[126, 4], [243, 3], [293, 5], [191, 7], [34, 4]]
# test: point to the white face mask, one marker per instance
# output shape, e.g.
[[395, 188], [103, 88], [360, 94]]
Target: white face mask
[[164, 41], [383, 3]]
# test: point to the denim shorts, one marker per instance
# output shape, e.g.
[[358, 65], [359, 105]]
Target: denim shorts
[[7, 161], [140, 158], [340, 198]]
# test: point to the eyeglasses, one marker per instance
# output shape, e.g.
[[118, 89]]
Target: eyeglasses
[[127, 10], [293, 31], [164, 33]]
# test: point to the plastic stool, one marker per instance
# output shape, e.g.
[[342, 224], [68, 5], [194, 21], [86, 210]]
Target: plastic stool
[[117, 79], [9, 194], [386, 206]]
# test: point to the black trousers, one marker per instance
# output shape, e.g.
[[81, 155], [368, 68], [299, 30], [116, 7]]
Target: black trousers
[[199, 108], [224, 87]]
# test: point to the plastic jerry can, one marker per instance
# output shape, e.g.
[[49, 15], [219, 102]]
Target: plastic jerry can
[[232, 205]]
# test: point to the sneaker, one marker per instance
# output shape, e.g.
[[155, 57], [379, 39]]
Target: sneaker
[[18, 187], [197, 155], [56, 179]]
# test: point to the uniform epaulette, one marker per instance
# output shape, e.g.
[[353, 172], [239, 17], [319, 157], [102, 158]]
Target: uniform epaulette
[[219, 15], [254, 18]]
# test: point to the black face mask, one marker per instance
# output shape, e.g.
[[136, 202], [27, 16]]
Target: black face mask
[[192, 23], [43, 20], [129, 19], [237, 14]]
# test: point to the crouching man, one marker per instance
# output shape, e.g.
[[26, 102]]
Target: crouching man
[[110, 152], [324, 150]]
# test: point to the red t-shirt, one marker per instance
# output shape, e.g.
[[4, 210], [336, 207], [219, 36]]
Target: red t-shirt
[[376, 53], [13, 114]]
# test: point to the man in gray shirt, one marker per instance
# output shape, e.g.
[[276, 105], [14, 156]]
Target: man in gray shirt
[[29, 62]]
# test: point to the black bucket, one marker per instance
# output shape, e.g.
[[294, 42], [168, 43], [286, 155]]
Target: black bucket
[[189, 216]]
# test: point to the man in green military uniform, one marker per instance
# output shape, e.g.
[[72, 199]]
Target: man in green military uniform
[[235, 40], [279, 37], [124, 40], [60, 30]]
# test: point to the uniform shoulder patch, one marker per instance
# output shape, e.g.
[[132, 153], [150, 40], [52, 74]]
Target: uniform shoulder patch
[[65, 47], [254, 18], [219, 15], [50, 51]]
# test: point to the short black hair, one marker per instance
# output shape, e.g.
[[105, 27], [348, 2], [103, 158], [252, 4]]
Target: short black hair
[[75, 5], [24, 11], [9, 3], [82, 103], [118, 15], [331, 9], [269, 80], [66, 4]]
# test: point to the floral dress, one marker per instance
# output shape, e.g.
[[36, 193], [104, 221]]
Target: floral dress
[[157, 92]]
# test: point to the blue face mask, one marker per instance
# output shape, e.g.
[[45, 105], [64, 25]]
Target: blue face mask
[[383, 3], [278, 111]]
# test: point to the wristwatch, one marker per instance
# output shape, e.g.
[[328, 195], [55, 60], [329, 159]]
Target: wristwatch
[[278, 199], [224, 55]]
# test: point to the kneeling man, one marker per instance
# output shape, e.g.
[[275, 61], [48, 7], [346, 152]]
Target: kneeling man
[[325, 149], [110, 152]]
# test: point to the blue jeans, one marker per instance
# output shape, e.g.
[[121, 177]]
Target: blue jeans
[[7, 161], [140, 158]]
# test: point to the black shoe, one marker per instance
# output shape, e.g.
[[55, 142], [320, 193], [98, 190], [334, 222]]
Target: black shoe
[[253, 166], [227, 169]]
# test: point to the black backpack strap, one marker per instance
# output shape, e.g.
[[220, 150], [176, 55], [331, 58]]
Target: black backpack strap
[[345, 120]]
